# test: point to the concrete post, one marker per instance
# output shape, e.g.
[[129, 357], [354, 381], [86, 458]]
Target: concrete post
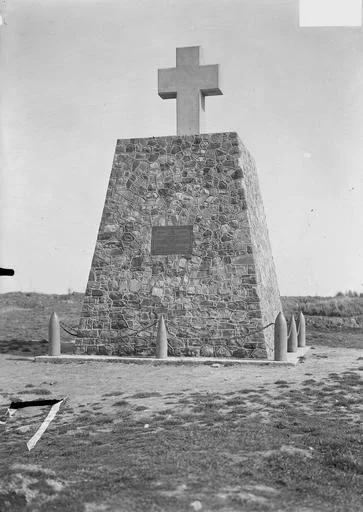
[[161, 340], [280, 338], [54, 335], [301, 337], [292, 339]]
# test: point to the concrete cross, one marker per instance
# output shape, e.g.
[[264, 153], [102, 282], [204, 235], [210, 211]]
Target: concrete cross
[[189, 83]]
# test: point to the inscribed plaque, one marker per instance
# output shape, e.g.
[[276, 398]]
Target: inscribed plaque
[[171, 240]]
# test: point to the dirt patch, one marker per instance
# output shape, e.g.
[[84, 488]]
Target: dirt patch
[[181, 438]]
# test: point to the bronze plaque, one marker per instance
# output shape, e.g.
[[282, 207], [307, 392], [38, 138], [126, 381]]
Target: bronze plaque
[[171, 240]]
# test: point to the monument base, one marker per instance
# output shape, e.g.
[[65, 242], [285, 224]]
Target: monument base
[[183, 234], [293, 358]]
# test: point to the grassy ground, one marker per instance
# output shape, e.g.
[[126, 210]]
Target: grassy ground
[[324, 306], [274, 440], [25, 317], [148, 438]]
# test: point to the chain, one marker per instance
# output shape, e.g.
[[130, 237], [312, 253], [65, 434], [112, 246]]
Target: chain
[[67, 328], [259, 330]]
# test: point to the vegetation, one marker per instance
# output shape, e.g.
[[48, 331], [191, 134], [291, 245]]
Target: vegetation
[[255, 450], [25, 316], [339, 306]]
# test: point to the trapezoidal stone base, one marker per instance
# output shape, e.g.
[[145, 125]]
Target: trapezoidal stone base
[[183, 234]]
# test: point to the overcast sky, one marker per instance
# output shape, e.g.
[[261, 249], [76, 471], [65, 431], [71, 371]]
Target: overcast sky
[[78, 74]]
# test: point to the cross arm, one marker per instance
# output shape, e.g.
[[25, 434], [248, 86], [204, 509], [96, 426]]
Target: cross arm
[[209, 80], [167, 83]]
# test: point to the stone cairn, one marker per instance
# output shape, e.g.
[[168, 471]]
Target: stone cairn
[[220, 290]]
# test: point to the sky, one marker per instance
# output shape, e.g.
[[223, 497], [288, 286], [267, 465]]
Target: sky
[[79, 74]]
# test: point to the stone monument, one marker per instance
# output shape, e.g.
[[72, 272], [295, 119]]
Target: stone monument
[[182, 234]]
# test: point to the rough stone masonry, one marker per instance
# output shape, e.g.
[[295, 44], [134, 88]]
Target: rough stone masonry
[[183, 234]]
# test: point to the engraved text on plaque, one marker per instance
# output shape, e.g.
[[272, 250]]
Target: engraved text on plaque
[[171, 240]]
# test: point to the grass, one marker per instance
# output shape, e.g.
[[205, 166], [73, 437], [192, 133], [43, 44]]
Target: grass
[[302, 448], [324, 306], [25, 317], [36, 391], [299, 450], [145, 395], [345, 338], [242, 450], [121, 403]]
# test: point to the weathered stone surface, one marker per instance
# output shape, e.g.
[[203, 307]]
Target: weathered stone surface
[[215, 300], [188, 83], [207, 351]]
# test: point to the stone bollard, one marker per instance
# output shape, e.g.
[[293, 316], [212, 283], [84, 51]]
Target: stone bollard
[[301, 337], [280, 338], [161, 340], [292, 339], [54, 335]]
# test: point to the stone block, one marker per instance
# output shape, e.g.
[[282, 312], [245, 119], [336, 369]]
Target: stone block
[[79, 350], [207, 350]]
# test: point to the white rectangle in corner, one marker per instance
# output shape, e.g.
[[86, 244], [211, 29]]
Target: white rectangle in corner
[[330, 13]]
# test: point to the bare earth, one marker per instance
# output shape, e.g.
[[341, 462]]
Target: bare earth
[[135, 438], [86, 383]]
